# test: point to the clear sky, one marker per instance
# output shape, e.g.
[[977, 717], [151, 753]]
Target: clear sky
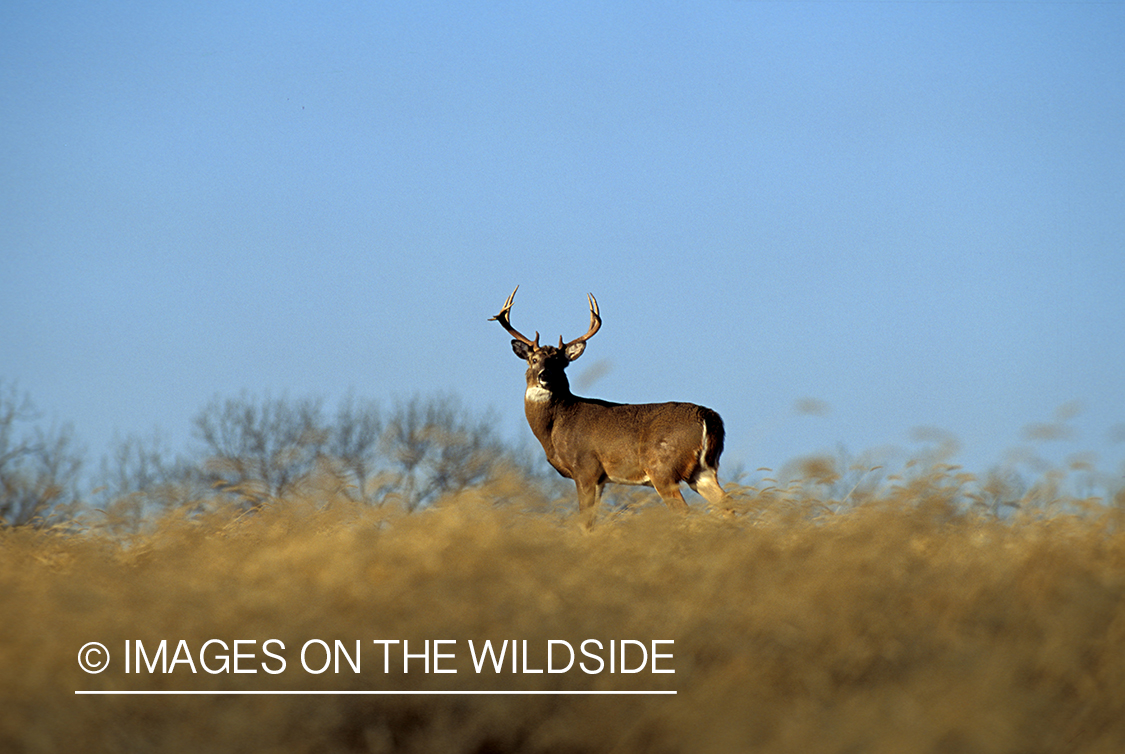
[[911, 212]]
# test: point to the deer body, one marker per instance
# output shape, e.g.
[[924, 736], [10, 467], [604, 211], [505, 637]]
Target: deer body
[[593, 441]]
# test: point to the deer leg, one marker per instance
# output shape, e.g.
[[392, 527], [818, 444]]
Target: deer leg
[[589, 493], [706, 483], [670, 492]]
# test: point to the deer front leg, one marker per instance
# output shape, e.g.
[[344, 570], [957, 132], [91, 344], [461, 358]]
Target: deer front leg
[[589, 494]]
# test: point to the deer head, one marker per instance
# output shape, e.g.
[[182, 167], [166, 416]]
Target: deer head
[[546, 364]]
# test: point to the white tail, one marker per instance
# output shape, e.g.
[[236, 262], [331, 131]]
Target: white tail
[[594, 441]]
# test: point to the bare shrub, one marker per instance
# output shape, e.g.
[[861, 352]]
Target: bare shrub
[[141, 480], [38, 468], [261, 450]]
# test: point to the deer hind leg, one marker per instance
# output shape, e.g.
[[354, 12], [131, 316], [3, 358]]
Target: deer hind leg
[[706, 482], [669, 490]]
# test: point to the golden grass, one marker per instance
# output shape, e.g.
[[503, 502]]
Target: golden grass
[[898, 625]]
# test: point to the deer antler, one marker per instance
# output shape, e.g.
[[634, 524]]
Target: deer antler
[[595, 324], [502, 318]]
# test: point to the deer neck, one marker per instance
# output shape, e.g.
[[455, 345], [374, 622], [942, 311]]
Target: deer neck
[[537, 395], [541, 405]]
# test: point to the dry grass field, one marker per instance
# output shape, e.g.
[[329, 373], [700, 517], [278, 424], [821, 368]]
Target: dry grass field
[[898, 624]]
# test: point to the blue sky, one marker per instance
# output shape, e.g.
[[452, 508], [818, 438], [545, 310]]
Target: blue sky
[[912, 212]]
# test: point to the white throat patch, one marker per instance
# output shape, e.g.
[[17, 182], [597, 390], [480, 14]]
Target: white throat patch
[[537, 394]]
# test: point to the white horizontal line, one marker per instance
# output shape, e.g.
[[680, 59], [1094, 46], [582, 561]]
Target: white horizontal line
[[509, 692]]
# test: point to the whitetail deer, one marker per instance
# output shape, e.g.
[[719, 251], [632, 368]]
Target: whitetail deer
[[594, 441]]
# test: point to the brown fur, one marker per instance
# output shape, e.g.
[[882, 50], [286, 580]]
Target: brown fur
[[593, 441]]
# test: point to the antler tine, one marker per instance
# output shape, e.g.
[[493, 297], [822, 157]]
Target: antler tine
[[506, 323], [595, 323]]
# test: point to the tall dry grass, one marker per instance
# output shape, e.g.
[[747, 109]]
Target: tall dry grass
[[897, 624]]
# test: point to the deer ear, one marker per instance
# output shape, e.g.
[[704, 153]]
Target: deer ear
[[521, 349], [574, 350]]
